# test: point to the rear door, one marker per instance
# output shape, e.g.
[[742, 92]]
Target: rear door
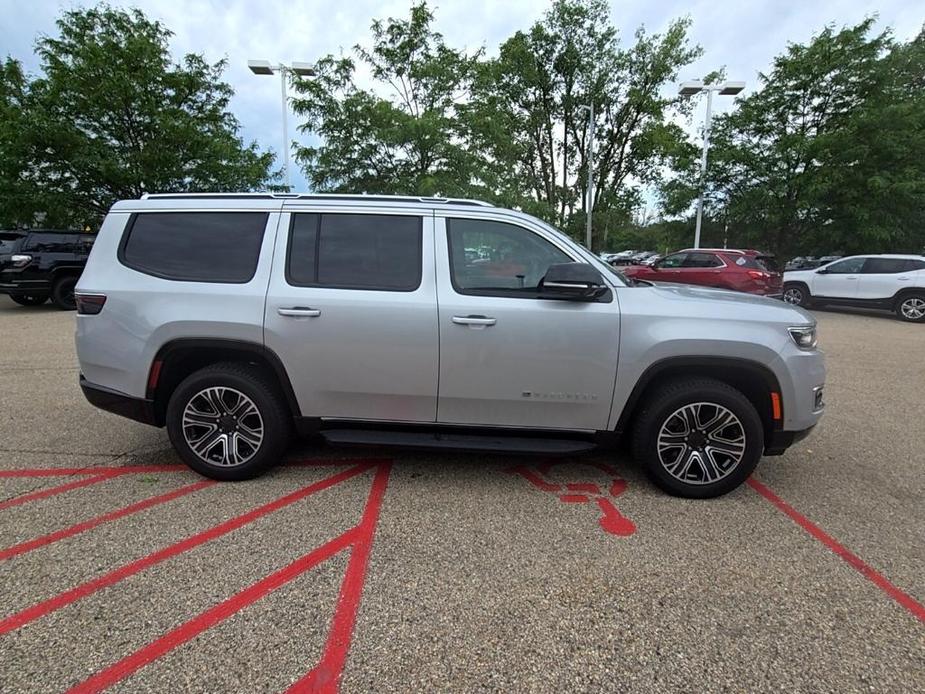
[[351, 312], [881, 278], [839, 279]]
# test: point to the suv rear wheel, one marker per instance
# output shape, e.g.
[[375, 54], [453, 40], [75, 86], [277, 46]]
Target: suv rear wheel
[[29, 299], [62, 293], [698, 438], [228, 422], [911, 308]]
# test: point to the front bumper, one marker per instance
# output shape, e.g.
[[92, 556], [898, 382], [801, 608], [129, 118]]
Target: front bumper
[[27, 287], [780, 441], [138, 409]]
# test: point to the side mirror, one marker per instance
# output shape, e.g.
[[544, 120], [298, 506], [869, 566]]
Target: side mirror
[[574, 281], [822, 271]]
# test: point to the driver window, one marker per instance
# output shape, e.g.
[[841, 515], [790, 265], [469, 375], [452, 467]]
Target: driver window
[[674, 260], [494, 258], [845, 267]]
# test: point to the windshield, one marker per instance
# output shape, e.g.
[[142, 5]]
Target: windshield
[[9, 243]]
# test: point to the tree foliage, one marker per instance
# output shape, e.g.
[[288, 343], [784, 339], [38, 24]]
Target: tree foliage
[[405, 141], [829, 154], [111, 116], [510, 129]]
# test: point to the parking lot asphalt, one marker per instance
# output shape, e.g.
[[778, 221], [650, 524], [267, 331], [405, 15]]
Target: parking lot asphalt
[[386, 571]]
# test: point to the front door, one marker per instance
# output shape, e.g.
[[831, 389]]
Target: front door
[[839, 279], [351, 312], [506, 357]]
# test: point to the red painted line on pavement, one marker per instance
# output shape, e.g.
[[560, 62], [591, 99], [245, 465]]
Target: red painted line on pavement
[[618, 487], [871, 574], [83, 526], [219, 613], [573, 498], [613, 521], [98, 470], [45, 607], [325, 677], [358, 536], [139, 469], [535, 479], [586, 487], [53, 491]]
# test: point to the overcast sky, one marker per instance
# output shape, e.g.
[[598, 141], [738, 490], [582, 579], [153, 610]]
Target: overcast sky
[[741, 36]]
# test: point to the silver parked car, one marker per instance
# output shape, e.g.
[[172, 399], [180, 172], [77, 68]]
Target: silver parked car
[[235, 319]]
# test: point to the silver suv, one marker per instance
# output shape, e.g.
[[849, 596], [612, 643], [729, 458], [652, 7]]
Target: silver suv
[[237, 319]]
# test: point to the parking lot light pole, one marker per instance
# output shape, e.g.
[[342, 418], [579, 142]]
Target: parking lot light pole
[[589, 193], [690, 89], [264, 67]]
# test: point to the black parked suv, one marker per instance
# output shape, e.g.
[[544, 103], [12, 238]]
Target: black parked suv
[[39, 264]]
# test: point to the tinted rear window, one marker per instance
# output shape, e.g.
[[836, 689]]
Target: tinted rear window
[[195, 246], [885, 266], [766, 263], [45, 242], [355, 251]]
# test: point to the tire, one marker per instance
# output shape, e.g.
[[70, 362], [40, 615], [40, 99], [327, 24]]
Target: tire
[[258, 432], [29, 299], [717, 461], [62, 294], [911, 307], [796, 294]]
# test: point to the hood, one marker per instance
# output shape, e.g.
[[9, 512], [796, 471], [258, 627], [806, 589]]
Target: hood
[[690, 301]]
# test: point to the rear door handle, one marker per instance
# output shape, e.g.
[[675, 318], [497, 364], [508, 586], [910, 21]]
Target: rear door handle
[[479, 321], [903, 279], [299, 312]]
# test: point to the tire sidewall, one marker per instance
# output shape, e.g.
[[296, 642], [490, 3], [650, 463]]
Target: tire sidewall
[[275, 422], [899, 308], [62, 287], [804, 294], [672, 399]]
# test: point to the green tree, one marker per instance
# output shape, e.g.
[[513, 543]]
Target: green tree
[[112, 116], [526, 115], [403, 136], [828, 154]]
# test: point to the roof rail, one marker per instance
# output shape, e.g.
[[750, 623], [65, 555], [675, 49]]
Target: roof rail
[[317, 196]]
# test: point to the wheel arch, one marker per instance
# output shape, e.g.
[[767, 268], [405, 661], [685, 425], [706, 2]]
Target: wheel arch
[[906, 292], [177, 359], [755, 380]]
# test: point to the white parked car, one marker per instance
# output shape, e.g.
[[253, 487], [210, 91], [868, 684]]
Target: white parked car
[[890, 282]]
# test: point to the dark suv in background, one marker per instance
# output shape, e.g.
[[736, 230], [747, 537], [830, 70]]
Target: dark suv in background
[[38, 264]]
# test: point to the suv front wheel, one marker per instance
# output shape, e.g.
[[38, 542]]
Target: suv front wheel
[[227, 422], [796, 294], [698, 438]]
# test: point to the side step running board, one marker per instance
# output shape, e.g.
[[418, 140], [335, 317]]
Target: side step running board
[[470, 442]]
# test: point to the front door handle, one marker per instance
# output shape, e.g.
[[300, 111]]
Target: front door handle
[[477, 321], [299, 312]]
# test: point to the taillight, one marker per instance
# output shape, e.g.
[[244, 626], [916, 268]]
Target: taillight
[[758, 275], [20, 260], [90, 304]]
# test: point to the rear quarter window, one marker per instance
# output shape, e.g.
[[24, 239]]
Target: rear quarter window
[[221, 247]]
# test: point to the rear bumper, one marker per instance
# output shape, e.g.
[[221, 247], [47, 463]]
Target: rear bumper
[[138, 409], [780, 441]]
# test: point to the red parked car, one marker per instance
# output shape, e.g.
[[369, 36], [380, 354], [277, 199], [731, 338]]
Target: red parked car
[[743, 271]]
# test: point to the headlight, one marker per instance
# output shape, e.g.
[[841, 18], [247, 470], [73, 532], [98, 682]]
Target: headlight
[[20, 260], [804, 337]]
